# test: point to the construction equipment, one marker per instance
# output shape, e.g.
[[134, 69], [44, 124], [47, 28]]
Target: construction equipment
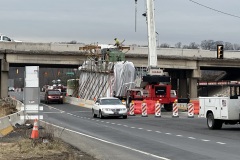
[[112, 76], [154, 84]]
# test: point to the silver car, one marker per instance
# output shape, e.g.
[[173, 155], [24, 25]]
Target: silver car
[[109, 107]]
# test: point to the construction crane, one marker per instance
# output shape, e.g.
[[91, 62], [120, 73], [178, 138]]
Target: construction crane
[[155, 85], [152, 55]]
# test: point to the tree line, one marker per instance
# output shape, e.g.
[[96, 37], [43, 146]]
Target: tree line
[[205, 44]]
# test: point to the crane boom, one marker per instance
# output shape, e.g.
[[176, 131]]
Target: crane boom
[[152, 55]]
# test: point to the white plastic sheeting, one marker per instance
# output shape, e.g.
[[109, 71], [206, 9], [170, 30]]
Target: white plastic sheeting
[[94, 84], [124, 76]]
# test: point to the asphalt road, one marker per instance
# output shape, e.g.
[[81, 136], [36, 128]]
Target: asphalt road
[[143, 138]]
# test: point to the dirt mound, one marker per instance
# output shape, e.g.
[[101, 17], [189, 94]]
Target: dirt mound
[[17, 145], [6, 108]]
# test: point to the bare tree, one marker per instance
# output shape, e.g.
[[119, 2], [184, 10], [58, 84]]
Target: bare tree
[[207, 44], [164, 45], [228, 46], [193, 45], [178, 45], [236, 47]]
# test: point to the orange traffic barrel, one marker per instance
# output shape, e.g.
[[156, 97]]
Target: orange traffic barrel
[[196, 106]]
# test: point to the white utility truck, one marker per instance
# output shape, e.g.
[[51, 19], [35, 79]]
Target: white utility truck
[[219, 110]]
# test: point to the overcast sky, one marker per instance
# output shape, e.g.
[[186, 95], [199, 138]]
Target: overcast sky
[[91, 21]]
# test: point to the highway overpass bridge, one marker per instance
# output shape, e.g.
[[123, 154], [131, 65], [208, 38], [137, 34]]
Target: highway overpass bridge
[[183, 65]]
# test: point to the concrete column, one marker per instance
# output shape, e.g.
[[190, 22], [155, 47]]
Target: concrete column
[[182, 91], [193, 87], [4, 78]]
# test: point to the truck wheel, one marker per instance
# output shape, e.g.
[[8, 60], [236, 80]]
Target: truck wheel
[[168, 107], [213, 123]]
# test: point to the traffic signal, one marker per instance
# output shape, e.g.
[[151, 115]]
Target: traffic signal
[[219, 51]]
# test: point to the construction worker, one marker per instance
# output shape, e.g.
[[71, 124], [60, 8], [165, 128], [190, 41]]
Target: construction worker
[[117, 43]]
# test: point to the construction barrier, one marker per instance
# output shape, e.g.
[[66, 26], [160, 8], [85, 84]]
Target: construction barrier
[[5, 126], [190, 110], [131, 109], [175, 110], [144, 109], [16, 118], [196, 106], [150, 106], [157, 109]]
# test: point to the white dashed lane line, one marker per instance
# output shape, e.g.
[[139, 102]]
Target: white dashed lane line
[[205, 140], [167, 133]]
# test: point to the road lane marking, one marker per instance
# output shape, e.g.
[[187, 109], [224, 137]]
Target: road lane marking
[[158, 131], [191, 138], [112, 143], [119, 124], [51, 112], [179, 135], [220, 143], [149, 130], [140, 128], [205, 140], [112, 123], [168, 133], [50, 107], [132, 127]]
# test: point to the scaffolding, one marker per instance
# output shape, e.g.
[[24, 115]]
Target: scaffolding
[[96, 73]]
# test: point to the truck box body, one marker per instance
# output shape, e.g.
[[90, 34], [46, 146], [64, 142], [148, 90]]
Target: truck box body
[[224, 108]]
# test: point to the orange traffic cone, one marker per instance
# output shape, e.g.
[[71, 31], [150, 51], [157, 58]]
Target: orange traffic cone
[[35, 134]]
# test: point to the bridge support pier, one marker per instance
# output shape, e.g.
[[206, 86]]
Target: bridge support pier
[[182, 86], [4, 78], [182, 90], [193, 89]]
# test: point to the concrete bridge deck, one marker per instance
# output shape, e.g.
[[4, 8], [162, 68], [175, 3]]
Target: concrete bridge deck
[[180, 63]]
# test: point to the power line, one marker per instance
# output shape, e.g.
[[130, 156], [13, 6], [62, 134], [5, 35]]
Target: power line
[[215, 9]]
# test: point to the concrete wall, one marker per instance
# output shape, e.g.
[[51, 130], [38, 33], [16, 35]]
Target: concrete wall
[[79, 102], [56, 47], [8, 122]]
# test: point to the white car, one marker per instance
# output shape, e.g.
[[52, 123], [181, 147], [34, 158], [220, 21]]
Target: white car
[[109, 107], [4, 38]]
